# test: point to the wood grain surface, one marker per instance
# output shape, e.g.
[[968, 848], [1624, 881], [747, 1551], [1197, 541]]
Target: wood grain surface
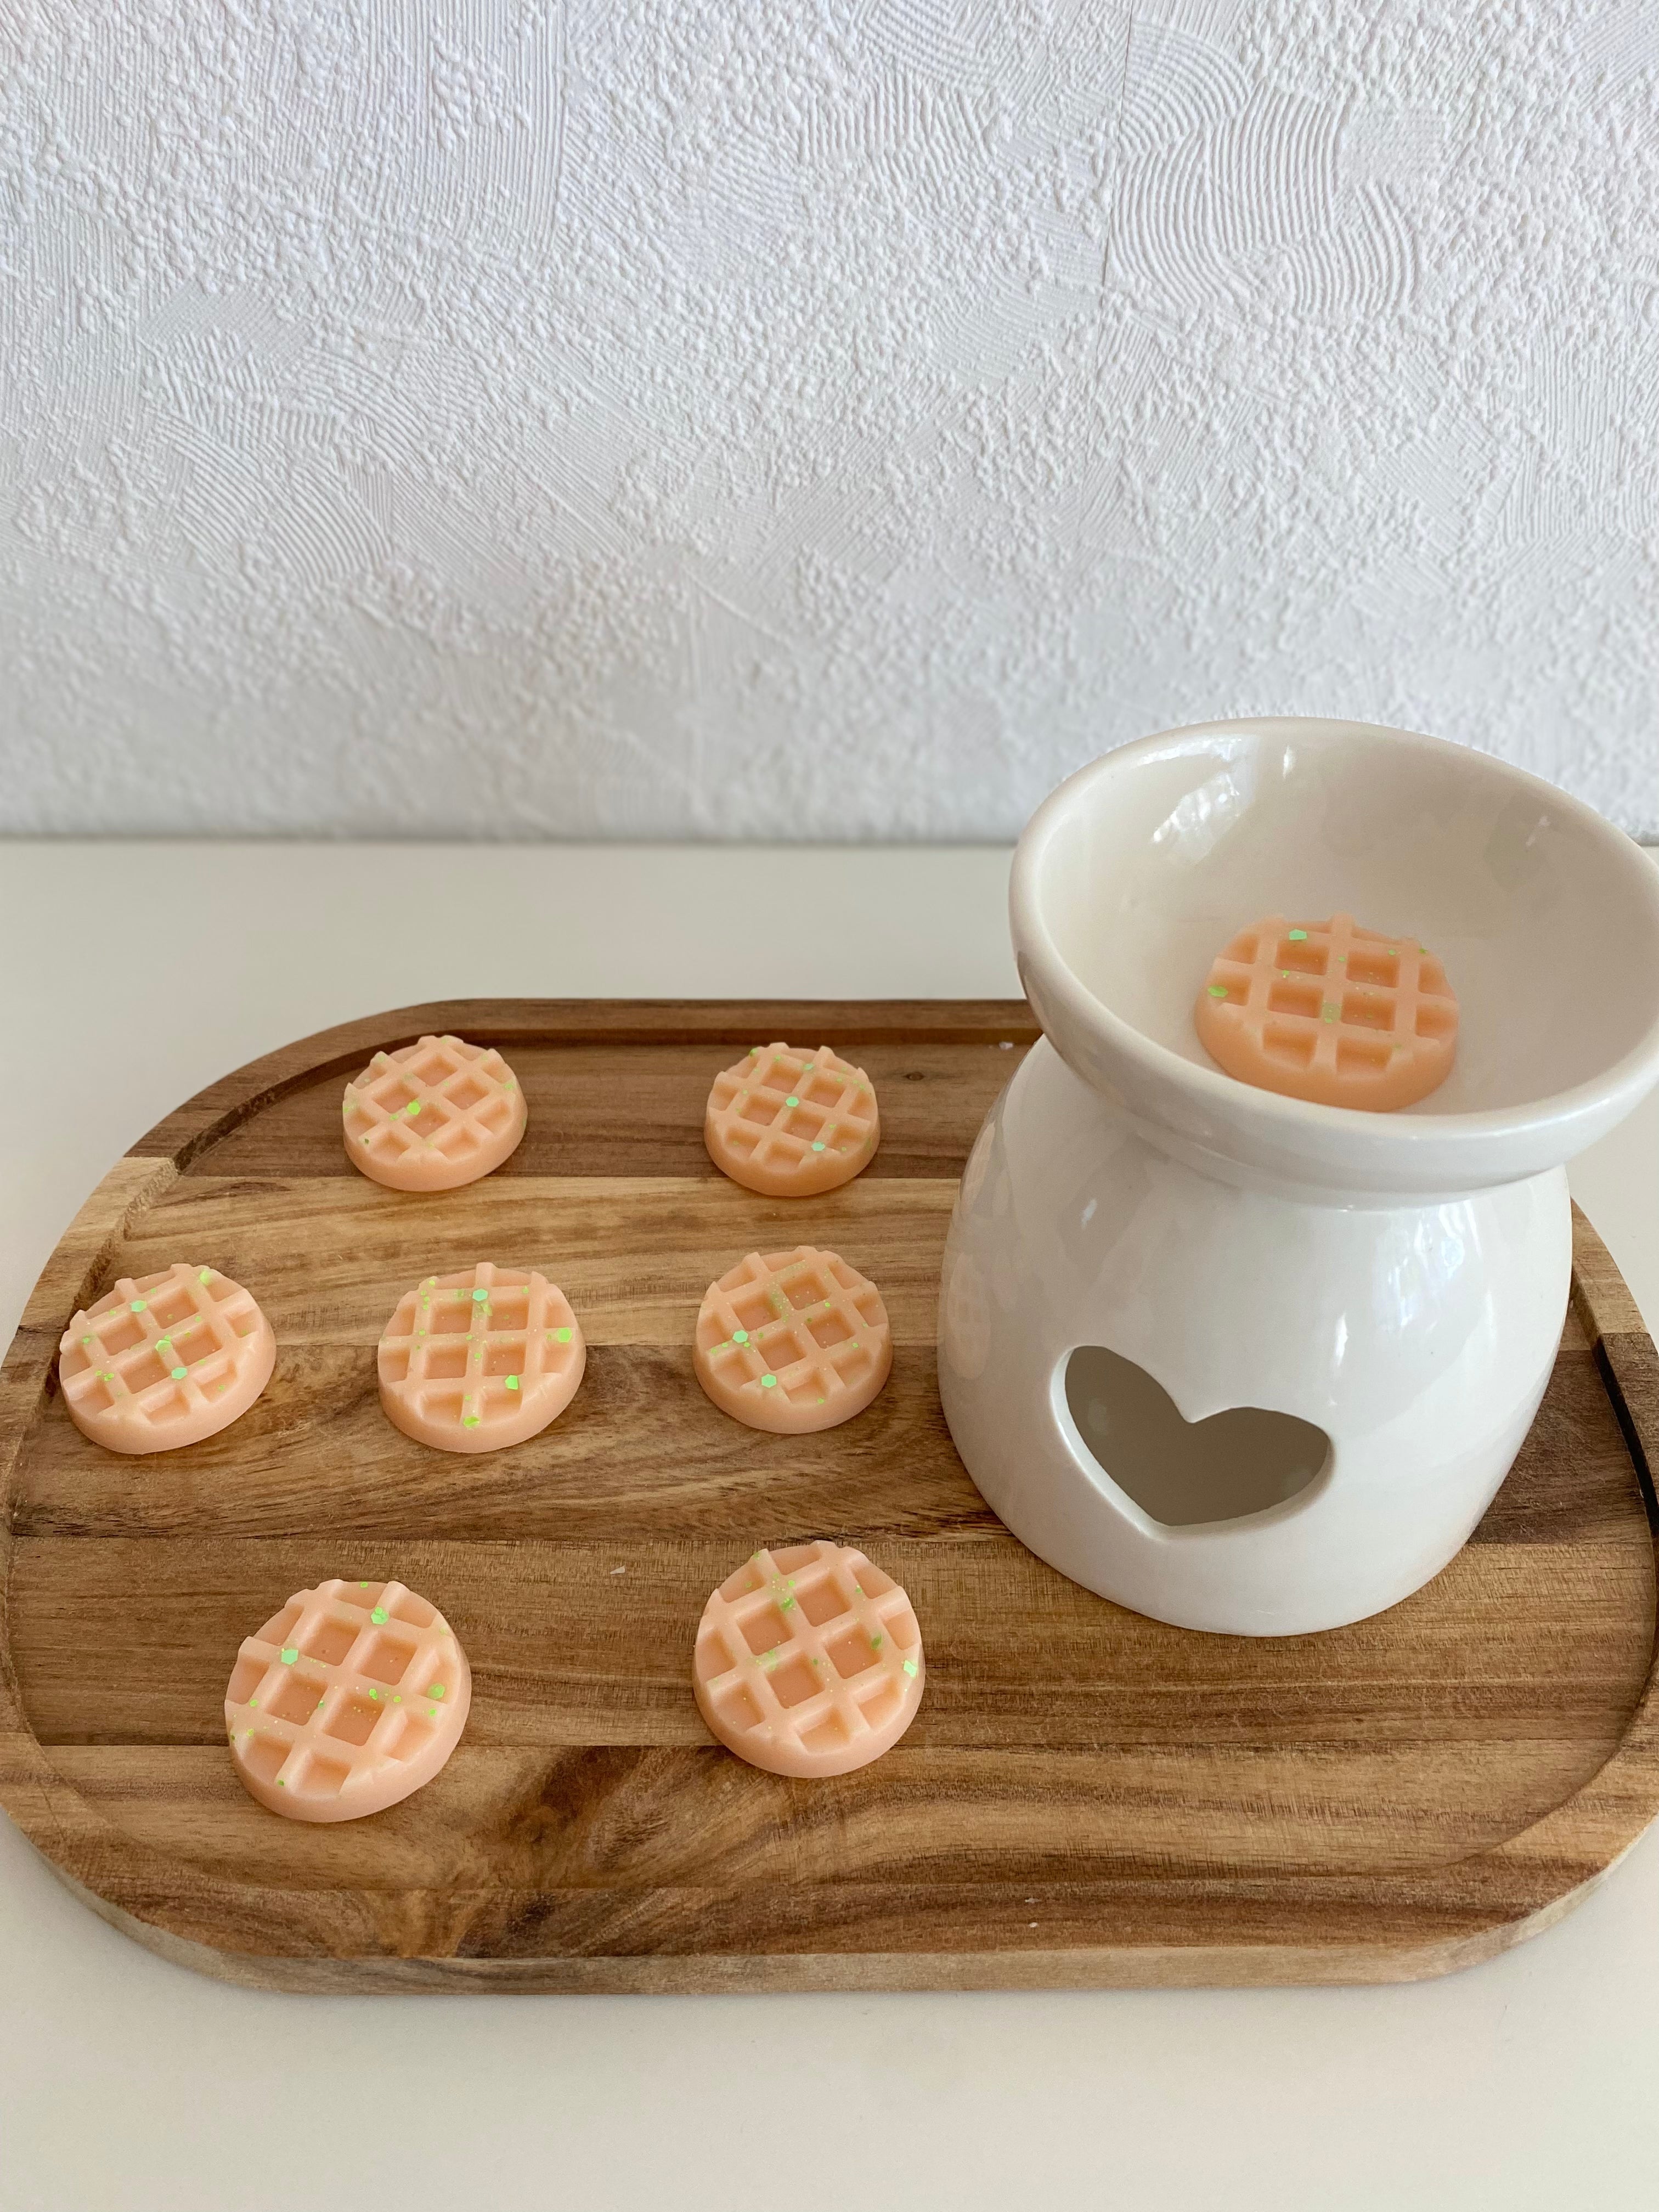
[[1086, 1798]]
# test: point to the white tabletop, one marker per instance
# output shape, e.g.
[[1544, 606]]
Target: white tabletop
[[126, 2084]]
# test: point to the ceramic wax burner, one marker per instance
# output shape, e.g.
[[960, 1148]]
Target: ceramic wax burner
[[1236, 1360]]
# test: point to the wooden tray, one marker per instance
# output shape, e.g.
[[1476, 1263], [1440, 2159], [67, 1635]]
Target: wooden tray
[[1108, 1802]]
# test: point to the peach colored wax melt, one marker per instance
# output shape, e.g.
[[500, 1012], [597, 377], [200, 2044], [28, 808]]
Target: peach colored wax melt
[[791, 1124], [808, 1661], [165, 1360], [433, 1116], [473, 1361], [346, 1701], [1327, 1010], [793, 1342]]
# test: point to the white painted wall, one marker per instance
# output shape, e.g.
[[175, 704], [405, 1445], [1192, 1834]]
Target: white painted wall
[[830, 417]]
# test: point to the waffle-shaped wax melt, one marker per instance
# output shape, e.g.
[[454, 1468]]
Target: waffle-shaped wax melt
[[473, 1361], [1327, 1010], [433, 1115], [808, 1660], [793, 1342], [346, 1701], [791, 1124], [165, 1360]]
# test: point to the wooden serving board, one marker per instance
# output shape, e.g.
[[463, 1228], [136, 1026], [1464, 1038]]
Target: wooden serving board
[[1085, 1799]]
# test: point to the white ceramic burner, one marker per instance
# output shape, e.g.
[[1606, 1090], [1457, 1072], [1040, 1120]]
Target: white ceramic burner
[[1238, 1361]]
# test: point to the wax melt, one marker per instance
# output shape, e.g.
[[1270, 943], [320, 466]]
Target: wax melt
[[791, 1124], [164, 1359], [433, 1115], [346, 1701], [808, 1660], [481, 1358], [793, 1342], [1329, 1011]]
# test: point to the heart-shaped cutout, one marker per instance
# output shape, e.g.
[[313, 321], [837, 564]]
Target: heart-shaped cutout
[[1179, 1472]]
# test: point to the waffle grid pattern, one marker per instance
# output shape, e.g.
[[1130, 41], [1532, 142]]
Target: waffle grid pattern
[[480, 1350], [160, 1350], [802, 1324], [1331, 999], [441, 1095], [809, 1657], [779, 1112], [345, 1678]]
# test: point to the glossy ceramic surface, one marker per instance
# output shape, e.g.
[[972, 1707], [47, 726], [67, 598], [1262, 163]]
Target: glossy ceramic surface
[[1398, 1279], [1130, 876], [1419, 1338]]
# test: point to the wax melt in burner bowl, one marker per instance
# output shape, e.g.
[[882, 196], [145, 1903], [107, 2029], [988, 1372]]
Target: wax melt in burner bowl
[[1327, 1010]]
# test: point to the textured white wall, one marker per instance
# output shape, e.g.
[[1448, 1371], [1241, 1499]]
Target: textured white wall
[[832, 417]]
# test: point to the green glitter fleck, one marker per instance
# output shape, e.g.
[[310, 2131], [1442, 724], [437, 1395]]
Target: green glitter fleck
[[1298, 936], [254, 1701], [164, 1344], [817, 1145], [362, 1585], [435, 1690], [375, 1696], [86, 1339], [378, 1616], [281, 1784], [875, 1641], [136, 1306], [769, 1381], [203, 1274], [562, 1334], [397, 1701], [469, 1420], [1217, 990], [909, 1665], [178, 1374], [479, 1297], [792, 1102], [413, 1108], [290, 1653], [739, 1336], [432, 1711], [512, 1381]]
